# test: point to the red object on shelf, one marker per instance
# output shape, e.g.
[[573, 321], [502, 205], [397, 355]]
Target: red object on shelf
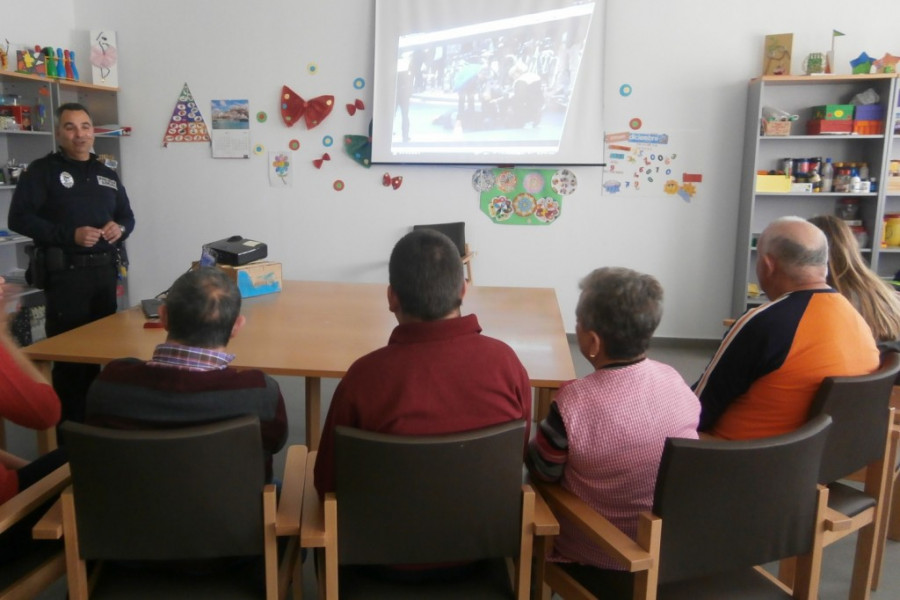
[[817, 126], [868, 127]]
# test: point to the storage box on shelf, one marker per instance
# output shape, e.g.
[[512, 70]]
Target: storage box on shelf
[[776, 127], [826, 130]]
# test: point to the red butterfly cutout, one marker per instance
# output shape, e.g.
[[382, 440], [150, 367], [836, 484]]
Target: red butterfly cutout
[[387, 180], [313, 111], [317, 163], [358, 105]]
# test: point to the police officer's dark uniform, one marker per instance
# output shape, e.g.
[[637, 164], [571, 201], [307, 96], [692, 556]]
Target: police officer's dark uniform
[[54, 197]]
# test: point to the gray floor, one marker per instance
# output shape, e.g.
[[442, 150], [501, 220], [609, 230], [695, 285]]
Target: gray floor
[[689, 358]]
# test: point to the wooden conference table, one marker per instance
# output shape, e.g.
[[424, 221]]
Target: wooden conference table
[[317, 329]]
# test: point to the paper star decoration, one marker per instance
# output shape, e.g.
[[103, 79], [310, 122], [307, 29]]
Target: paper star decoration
[[862, 64], [887, 63]]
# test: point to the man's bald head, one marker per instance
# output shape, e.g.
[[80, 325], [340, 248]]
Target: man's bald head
[[796, 254]]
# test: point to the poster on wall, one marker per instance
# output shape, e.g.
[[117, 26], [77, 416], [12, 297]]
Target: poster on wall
[[186, 123], [523, 196], [231, 128], [104, 58], [647, 163]]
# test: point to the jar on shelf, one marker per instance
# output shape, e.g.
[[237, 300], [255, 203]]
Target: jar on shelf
[[842, 177], [891, 236], [847, 208], [859, 232]]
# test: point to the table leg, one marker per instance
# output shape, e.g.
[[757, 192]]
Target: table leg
[[313, 412]]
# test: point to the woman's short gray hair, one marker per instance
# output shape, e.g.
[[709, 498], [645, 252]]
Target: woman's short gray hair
[[623, 307]]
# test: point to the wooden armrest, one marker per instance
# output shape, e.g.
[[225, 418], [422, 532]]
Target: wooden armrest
[[837, 521], [50, 527], [607, 536], [312, 519], [544, 521], [33, 497], [287, 519]]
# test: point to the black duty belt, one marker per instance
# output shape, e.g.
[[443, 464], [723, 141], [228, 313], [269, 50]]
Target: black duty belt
[[99, 259]]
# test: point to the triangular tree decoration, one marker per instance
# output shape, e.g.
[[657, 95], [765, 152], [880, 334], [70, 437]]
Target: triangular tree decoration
[[186, 124]]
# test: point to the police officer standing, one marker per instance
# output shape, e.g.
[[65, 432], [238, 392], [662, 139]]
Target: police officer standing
[[77, 212]]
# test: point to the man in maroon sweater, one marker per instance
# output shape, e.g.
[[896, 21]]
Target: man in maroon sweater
[[437, 374], [188, 380]]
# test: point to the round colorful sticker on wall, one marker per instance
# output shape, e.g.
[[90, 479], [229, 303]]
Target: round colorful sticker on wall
[[294, 144], [261, 116]]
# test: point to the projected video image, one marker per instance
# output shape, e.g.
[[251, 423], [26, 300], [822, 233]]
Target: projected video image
[[500, 86]]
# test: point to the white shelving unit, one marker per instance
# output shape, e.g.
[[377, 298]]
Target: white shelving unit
[[798, 95]]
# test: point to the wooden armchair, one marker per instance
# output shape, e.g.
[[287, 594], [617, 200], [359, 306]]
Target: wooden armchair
[[720, 509], [25, 577], [860, 438], [890, 520], [166, 511], [414, 500]]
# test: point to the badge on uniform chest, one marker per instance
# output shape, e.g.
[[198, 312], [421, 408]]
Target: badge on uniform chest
[[66, 179]]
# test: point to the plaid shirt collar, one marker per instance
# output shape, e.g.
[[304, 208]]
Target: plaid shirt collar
[[189, 358]]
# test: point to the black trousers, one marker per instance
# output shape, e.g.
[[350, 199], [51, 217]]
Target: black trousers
[[75, 297]]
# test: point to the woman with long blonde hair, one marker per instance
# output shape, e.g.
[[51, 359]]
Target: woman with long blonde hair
[[875, 299]]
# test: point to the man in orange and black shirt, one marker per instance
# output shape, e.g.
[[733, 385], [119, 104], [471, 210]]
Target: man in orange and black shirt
[[772, 361]]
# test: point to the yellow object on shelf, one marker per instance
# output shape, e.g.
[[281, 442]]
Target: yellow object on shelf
[[773, 183]]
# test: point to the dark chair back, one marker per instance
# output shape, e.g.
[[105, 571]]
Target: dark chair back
[[428, 499], [455, 231], [732, 504], [175, 494], [860, 410]]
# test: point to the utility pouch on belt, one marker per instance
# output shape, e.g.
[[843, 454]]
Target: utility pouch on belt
[[36, 273]]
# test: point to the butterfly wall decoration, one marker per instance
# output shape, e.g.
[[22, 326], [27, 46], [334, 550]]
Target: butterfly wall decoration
[[294, 108]]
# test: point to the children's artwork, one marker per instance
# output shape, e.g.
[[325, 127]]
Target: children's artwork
[[231, 128], [314, 111], [777, 54], [31, 61], [281, 172], [4, 55], [646, 163], [186, 124], [523, 196], [887, 63], [862, 64], [104, 58]]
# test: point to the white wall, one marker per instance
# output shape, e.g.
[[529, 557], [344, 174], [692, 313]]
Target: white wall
[[687, 63]]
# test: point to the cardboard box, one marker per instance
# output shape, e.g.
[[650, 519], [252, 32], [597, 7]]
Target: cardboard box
[[817, 126], [869, 112], [833, 112], [254, 279], [802, 187], [773, 183], [868, 127]]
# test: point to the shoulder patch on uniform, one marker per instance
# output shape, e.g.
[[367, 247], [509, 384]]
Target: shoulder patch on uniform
[[111, 183]]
